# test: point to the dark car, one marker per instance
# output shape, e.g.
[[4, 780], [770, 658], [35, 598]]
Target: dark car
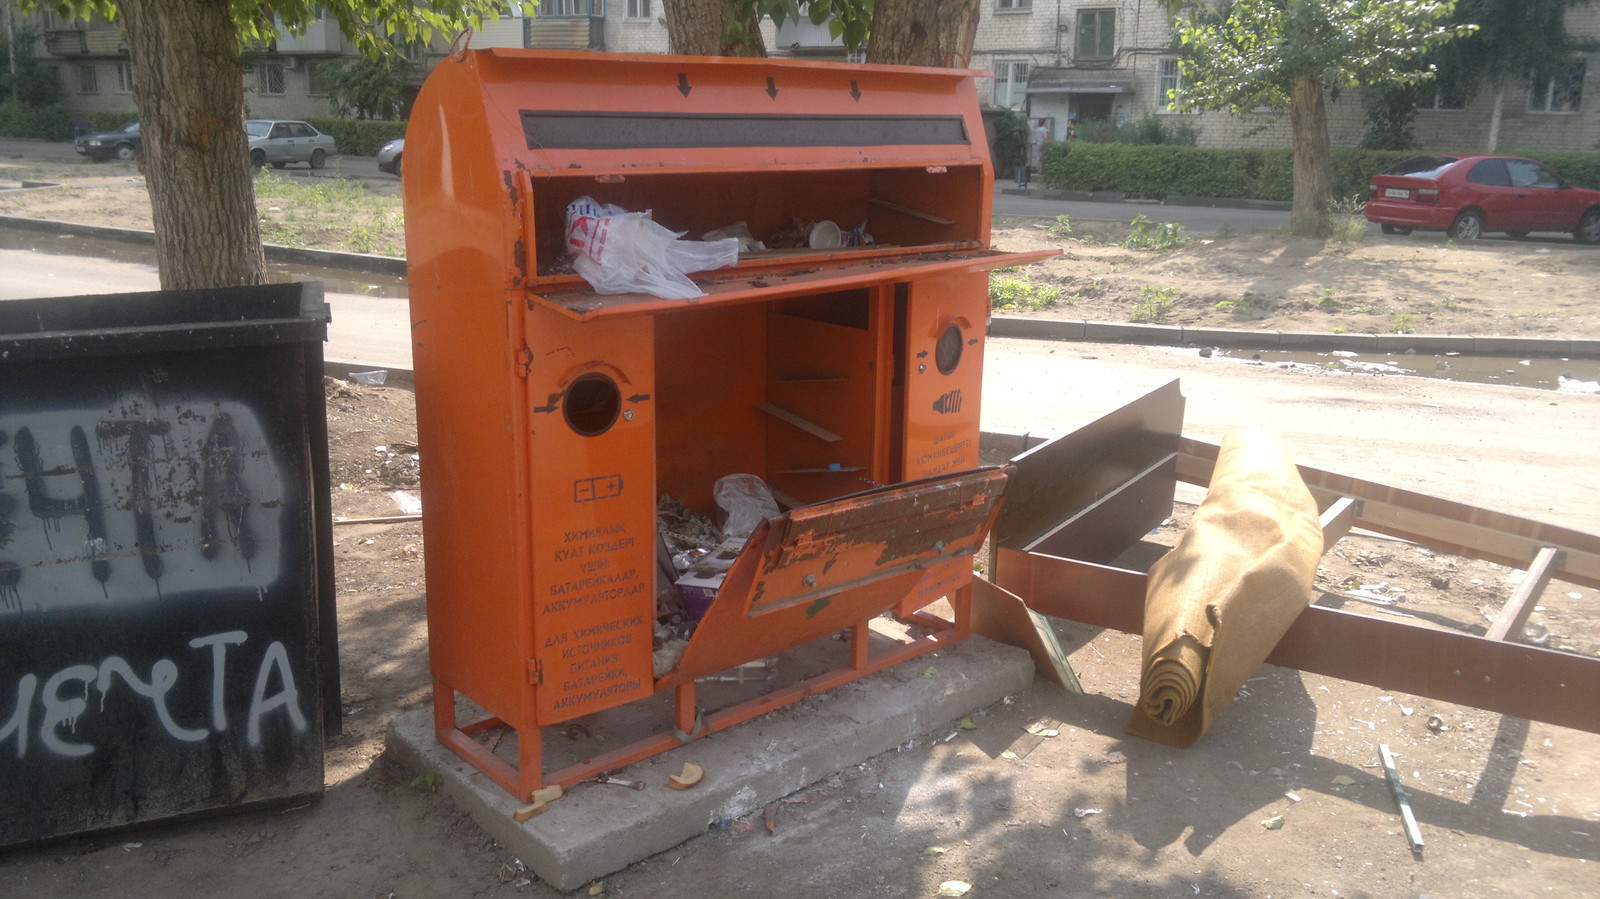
[[122, 144], [1468, 195], [389, 156]]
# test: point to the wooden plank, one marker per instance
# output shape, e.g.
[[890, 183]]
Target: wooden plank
[[1514, 614], [1337, 520], [1510, 678], [810, 427], [914, 213]]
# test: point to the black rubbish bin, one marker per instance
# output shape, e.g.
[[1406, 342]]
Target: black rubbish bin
[[167, 639]]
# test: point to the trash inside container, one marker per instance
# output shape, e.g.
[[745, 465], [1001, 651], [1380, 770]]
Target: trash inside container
[[166, 605], [836, 357]]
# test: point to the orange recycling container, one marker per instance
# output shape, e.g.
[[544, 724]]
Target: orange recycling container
[[841, 364]]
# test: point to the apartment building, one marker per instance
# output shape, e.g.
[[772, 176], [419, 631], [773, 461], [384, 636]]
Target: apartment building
[[1059, 60]]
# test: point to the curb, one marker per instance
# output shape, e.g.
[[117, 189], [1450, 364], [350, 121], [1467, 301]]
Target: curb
[[355, 262], [1394, 344]]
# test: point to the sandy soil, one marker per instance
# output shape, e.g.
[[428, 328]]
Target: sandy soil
[[1045, 797], [1424, 284]]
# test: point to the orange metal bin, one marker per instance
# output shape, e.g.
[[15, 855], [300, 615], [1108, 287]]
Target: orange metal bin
[[552, 417]]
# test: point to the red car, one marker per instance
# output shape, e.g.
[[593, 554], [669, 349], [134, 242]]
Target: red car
[[1467, 195]]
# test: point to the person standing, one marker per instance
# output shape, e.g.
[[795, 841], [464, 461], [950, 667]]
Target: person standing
[[1036, 138]]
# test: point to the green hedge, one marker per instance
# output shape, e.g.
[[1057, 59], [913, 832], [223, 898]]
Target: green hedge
[[359, 137], [111, 121], [43, 122], [1157, 172]]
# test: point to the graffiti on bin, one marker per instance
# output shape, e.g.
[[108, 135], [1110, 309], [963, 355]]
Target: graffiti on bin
[[64, 696], [135, 501]]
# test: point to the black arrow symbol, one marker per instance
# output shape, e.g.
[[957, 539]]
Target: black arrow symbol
[[638, 397], [972, 342], [553, 401], [683, 83], [923, 354], [772, 89], [855, 92]]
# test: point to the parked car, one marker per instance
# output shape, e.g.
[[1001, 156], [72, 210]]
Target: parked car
[[281, 142], [121, 144], [389, 156], [1467, 195]]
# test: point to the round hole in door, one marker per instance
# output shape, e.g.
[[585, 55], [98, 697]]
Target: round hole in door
[[947, 352], [591, 404]]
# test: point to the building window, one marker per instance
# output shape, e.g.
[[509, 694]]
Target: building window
[[1441, 98], [317, 79], [269, 78], [124, 77], [1010, 82], [1012, 5], [1097, 33], [638, 9], [88, 80], [571, 8], [1560, 91], [1169, 90]]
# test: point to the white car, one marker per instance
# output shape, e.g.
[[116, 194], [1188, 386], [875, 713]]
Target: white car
[[283, 142]]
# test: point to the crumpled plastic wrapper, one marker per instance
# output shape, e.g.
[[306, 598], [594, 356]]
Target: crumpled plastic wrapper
[[1217, 604]]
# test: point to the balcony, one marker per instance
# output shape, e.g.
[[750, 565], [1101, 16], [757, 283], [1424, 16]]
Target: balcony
[[566, 33]]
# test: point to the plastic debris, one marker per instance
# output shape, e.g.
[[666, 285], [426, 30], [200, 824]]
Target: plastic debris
[[1344, 780], [966, 723], [951, 889], [370, 378], [935, 850], [1407, 817], [1273, 823], [1086, 812], [1436, 724], [1292, 797], [929, 671]]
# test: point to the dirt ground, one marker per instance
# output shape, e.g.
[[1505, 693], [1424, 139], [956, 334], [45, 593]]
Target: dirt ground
[[1044, 795]]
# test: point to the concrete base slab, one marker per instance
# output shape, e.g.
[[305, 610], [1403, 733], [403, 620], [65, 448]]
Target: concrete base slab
[[596, 829]]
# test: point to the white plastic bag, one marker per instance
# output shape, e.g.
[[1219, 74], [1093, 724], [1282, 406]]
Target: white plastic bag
[[746, 500], [618, 251]]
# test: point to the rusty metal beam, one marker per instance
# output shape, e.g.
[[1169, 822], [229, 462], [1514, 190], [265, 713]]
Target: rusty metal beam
[[1514, 614], [1512, 679], [1437, 523]]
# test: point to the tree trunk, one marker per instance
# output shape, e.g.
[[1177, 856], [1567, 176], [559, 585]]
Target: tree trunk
[[1494, 120], [196, 159], [1313, 177], [923, 32], [712, 28]]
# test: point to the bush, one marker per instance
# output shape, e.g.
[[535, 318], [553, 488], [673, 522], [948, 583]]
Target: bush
[[1149, 131], [1011, 139], [111, 121], [359, 137], [1580, 169], [43, 122], [1158, 172]]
